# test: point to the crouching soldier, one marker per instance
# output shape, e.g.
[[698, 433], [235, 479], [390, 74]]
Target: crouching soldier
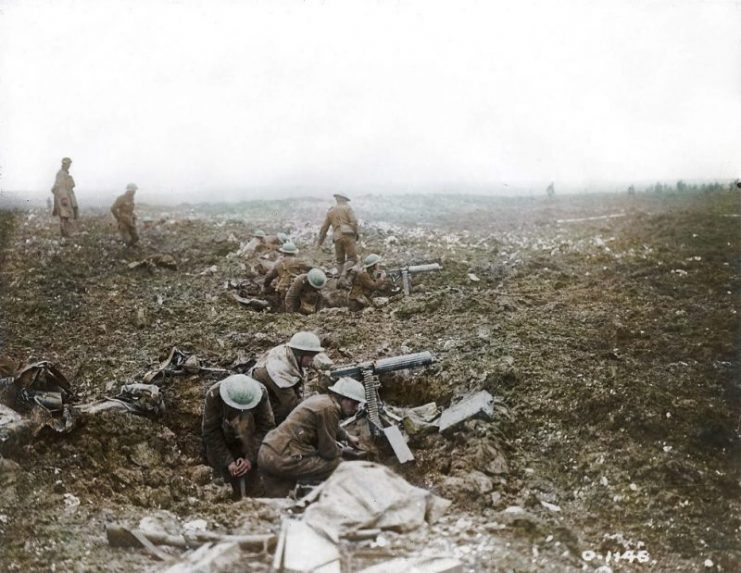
[[304, 295], [286, 269], [365, 282], [304, 448], [283, 371], [236, 417], [123, 211]]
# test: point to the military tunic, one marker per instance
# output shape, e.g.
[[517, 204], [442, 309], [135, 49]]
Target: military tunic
[[229, 433], [65, 202], [280, 373], [363, 287], [123, 211], [344, 232], [305, 445], [302, 297], [286, 269]]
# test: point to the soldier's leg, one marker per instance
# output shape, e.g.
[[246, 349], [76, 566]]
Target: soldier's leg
[[296, 467], [65, 225], [134, 235], [351, 248], [339, 253]]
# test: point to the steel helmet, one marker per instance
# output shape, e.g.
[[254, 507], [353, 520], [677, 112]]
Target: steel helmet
[[131, 187], [283, 238], [289, 248], [341, 197], [317, 278], [259, 233], [306, 341], [371, 260], [240, 391], [66, 160], [349, 388]]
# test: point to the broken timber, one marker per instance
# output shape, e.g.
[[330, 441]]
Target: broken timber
[[480, 404]]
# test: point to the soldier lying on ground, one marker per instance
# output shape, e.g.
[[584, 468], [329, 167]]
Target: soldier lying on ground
[[266, 243], [304, 296], [283, 371], [236, 417], [305, 446], [123, 211], [365, 282]]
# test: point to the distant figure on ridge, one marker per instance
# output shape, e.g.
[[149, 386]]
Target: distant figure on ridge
[[344, 233], [65, 202]]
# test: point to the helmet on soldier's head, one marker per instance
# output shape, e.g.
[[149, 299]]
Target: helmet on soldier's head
[[283, 238], [259, 233], [317, 278], [131, 187], [66, 160], [349, 388], [289, 248], [306, 341], [341, 197], [240, 391], [371, 260]]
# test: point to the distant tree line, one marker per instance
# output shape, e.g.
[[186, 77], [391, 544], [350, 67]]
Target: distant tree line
[[683, 187]]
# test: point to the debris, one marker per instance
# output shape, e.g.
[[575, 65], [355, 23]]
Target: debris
[[480, 404], [473, 277], [417, 565], [256, 303], [550, 506], [156, 260], [301, 548], [398, 444], [362, 495]]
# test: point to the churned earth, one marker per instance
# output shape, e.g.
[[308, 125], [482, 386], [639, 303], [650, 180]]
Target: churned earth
[[606, 326]]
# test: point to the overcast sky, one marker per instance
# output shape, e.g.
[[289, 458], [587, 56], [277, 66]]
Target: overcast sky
[[210, 98]]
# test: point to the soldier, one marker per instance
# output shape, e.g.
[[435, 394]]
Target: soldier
[[288, 267], [65, 202], [344, 233], [283, 371], [304, 295], [266, 243], [365, 282], [123, 211], [304, 448], [236, 417]]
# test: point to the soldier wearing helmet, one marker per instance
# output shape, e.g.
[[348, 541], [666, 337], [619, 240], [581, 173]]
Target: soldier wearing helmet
[[65, 202], [265, 243], [123, 212], [283, 371], [365, 282], [345, 233], [236, 417], [304, 447], [285, 269], [304, 296]]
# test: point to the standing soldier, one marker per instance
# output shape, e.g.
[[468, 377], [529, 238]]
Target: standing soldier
[[283, 371], [65, 202], [344, 233], [236, 417], [304, 295], [123, 211], [287, 268], [304, 447], [366, 282]]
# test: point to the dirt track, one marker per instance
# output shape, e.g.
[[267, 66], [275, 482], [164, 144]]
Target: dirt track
[[607, 325]]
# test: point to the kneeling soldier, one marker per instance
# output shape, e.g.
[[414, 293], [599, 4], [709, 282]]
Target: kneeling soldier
[[236, 417], [304, 448], [304, 295], [366, 282], [283, 371]]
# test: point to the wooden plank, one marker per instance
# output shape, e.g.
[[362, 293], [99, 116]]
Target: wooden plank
[[478, 404], [398, 444]]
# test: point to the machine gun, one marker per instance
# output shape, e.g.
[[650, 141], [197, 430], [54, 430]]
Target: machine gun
[[380, 421], [404, 274]]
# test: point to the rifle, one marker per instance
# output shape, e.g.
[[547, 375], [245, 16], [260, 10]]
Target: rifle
[[404, 274], [380, 421]]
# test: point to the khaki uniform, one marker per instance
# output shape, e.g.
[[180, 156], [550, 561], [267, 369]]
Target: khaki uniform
[[268, 244], [65, 202], [302, 297], [344, 233], [305, 445], [363, 287], [286, 269], [123, 211], [280, 373], [229, 433]]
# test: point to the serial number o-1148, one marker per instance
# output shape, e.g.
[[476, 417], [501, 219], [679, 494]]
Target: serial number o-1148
[[629, 555]]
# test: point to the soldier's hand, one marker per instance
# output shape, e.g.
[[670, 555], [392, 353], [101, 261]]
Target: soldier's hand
[[354, 441], [240, 467]]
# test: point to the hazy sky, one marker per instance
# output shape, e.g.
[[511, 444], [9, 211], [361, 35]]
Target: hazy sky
[[206, 97]]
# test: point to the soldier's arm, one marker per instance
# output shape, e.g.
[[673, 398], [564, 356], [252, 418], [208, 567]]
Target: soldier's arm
[[213, 436], [353, 222], [293, 295], [264, 418], [271, 276], [324, 229], [328, 423]]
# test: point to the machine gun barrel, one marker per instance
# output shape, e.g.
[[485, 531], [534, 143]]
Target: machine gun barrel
[[384, 365], [414, 269]]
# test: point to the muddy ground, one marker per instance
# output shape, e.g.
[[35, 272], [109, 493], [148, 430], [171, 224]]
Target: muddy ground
[[606, 325]]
